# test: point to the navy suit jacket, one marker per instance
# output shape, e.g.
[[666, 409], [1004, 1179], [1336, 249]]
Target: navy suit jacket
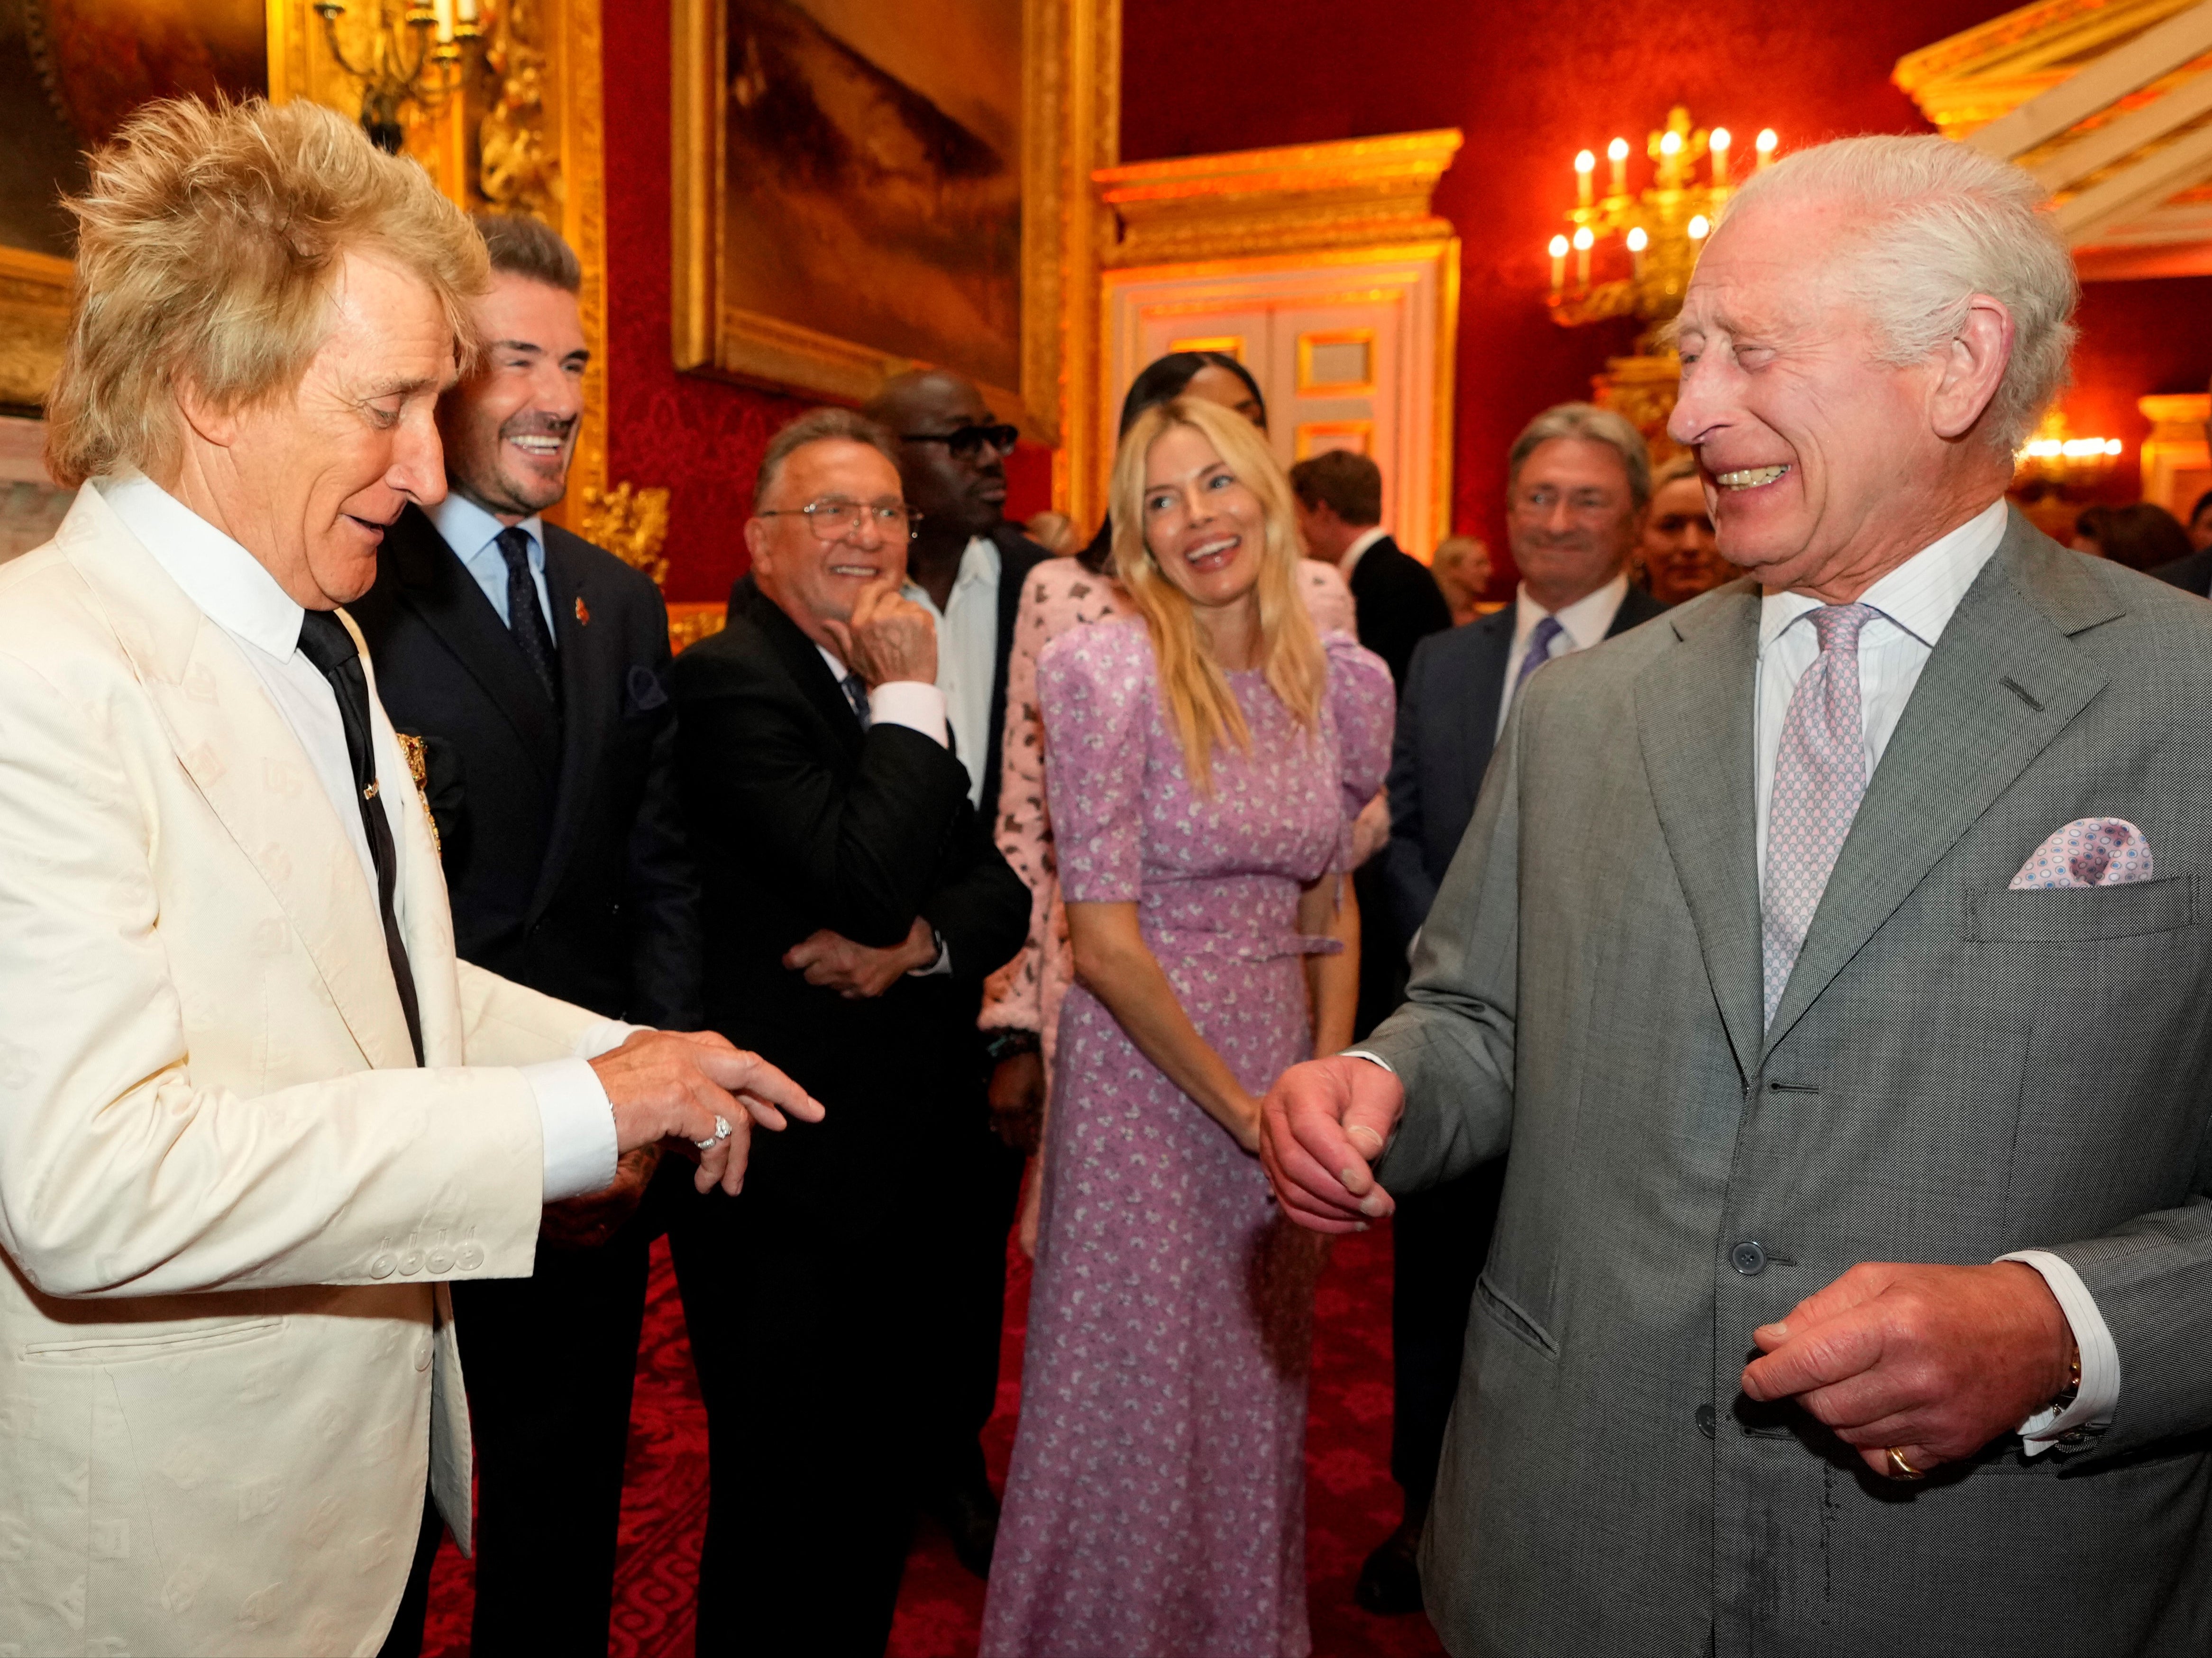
[[1446, 724]]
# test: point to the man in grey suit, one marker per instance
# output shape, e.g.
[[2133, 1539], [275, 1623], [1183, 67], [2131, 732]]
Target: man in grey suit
[[1829, 956], [1578, 480]]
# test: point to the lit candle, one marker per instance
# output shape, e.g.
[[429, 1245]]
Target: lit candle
[[1670, 143], [1717, 147], [1617, 153], [1699, 227], [1638, 241], [1585, 164], [1583, 240], [1765, 144], [468, 12], [1558, 263], [445, 10]]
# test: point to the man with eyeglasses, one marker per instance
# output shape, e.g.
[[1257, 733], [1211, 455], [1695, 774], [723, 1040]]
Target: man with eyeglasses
[[853, 903], [966, 567], [1578, 478]]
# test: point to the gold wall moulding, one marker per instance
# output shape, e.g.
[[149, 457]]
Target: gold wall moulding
[[34, 314], [2176, 465], [1060, 120], [1642, 389], [693, 620], [631, 524], [1273, 201]]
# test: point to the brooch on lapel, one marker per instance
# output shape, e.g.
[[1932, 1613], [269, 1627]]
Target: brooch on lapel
[[583, 612]]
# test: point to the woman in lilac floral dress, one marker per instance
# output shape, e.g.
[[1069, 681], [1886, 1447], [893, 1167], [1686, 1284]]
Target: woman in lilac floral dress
[[1204, 759]]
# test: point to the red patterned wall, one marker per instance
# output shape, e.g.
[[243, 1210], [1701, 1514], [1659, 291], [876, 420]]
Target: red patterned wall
[[1528, 85]]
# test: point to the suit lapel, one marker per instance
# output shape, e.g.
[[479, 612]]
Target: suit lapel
[[250, 769], [590, 677], [1693, 717], [434, 583], [1477, 708], [802, 659], [2001, 682]]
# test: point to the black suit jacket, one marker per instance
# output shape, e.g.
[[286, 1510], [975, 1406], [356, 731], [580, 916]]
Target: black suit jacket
[[564, 851], [1398, 604], [1017, 556], [801, 822], [2191, 574], [1447, 725]]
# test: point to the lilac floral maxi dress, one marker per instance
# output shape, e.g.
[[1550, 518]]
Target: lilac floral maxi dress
[[1155, 1506]]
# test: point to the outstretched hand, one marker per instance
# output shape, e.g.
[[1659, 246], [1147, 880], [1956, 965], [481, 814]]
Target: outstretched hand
[[668, 1087], [1935, 1361], [1321, 1126]]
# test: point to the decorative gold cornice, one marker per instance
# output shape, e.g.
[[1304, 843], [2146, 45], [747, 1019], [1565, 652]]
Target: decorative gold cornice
[[1272, 201], [1966, 80]]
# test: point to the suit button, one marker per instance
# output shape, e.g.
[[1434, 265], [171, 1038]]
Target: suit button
[[440, 1262], [411, 1262], [1706, 1419], [423, 1357], [382, 1265], [470, 1257], [1748, 1259]]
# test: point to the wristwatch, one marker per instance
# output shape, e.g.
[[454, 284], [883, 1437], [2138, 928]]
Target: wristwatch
[[1005, 1044]]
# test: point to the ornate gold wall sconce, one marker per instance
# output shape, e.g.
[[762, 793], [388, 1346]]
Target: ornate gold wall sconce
[[404, 54]]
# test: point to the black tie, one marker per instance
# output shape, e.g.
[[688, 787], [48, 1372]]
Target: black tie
[[325, 641], [524, 617], [856, 693]]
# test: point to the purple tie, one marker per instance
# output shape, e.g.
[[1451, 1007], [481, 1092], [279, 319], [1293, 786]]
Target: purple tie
[[1540, 652], [1819, 776]]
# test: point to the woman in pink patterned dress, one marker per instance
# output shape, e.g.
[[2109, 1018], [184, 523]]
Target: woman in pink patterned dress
[[1022, 999], [1206, 759]]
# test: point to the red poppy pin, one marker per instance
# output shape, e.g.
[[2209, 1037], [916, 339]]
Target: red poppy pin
[[583, 612]]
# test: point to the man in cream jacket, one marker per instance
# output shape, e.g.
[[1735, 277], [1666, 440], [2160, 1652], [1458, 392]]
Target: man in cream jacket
[[252, 1111]]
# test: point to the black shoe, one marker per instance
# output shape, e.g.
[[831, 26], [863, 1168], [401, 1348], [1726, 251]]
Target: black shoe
[[969, 1513], [1391, 1583]]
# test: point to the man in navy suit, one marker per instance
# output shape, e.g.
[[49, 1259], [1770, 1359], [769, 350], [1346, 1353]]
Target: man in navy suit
[[532, 664], [1579, 478]]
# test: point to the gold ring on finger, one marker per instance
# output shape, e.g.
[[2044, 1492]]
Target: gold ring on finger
[[1901, 1469]]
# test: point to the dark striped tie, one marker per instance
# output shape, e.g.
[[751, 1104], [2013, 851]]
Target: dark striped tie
[[525, 619]]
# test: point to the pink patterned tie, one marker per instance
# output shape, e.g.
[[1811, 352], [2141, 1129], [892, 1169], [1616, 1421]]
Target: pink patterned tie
[[1819, 776]]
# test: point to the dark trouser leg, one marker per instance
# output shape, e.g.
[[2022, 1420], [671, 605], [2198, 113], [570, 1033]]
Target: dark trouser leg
[[970, 1302], [551, 1360], [406, 1638], [802, 1337], [1383, 970], [1440, 1239]]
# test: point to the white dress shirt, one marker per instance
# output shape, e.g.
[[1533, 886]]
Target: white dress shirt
[[473, 534], [1358, 551], [968, 654], [1583, 623], [236, 591], [1913, 604]]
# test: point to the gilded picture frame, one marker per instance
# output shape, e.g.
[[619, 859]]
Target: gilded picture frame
[[1068, 91]]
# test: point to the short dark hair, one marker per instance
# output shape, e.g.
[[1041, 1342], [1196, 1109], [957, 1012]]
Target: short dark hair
[[1343, 480], [1165, 378], [2141, 537], [2197, 511], [820, 426], [523, 246]]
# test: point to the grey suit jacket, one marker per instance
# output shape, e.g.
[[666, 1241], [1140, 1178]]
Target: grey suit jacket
[[1956, 1071]]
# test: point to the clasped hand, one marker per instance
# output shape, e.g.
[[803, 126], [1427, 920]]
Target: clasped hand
[[859, 972], [667, 1087], [1321, 1126]]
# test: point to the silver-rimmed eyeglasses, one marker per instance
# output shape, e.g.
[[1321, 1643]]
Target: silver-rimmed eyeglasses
[[833, 518]]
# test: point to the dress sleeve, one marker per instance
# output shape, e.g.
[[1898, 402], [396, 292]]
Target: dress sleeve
[[1363, 705], [1094, 689]]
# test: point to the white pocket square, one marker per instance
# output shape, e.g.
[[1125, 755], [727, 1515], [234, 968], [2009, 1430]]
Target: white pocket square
[[2089, 851]]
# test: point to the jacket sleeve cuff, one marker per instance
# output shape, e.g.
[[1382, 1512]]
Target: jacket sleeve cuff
[[578, 1124], [605, 1037], [2099, 1393]]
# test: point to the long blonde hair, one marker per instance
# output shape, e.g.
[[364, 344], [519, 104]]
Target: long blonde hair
[[1197, 695]]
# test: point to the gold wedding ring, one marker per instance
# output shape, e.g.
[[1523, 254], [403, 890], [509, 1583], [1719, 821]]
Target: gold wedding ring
[[1901, 1469], [722, 1133]]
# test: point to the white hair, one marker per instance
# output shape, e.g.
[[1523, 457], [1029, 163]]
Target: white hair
[[1933, 223]]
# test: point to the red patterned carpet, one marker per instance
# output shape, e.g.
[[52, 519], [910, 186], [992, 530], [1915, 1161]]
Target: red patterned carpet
[[1350, 1501]]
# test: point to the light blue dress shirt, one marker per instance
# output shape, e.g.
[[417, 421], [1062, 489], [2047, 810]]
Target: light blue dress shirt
[[473, 534]]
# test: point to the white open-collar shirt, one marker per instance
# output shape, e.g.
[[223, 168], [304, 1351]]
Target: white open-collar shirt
[[236, 593]]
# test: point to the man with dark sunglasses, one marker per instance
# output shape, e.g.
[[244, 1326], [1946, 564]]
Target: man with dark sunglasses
[[966, 567]]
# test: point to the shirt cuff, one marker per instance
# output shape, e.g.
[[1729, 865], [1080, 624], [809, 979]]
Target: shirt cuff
[[578, 1125], [2099, 1393], [909, 702], [939, 969], [1371, 1059]]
